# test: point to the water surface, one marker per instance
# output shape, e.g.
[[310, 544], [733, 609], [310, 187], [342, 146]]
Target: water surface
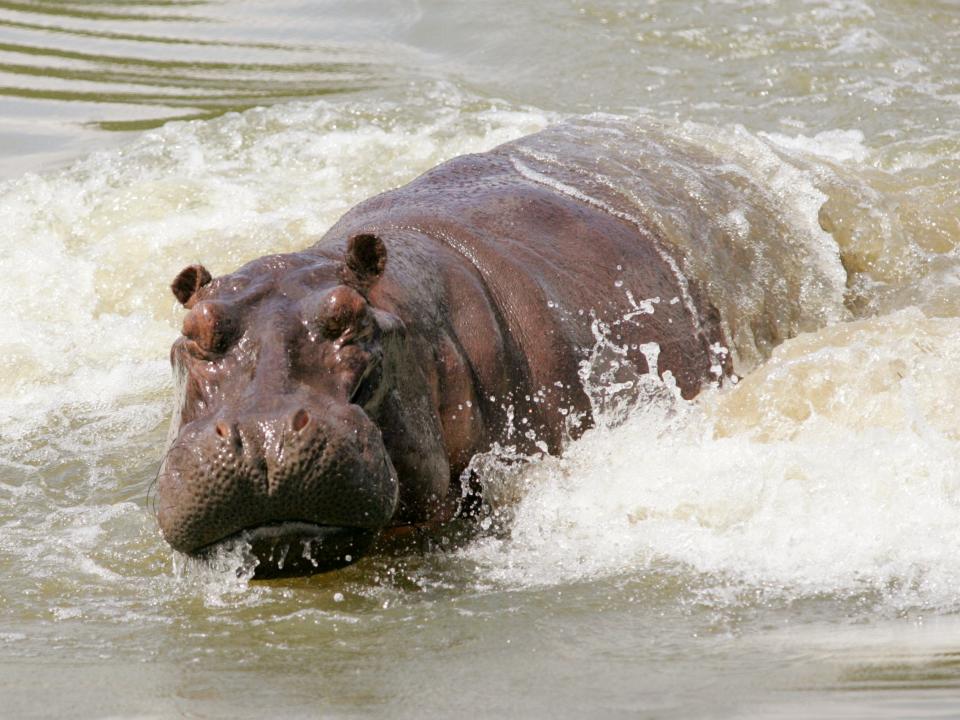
[[787, 547]]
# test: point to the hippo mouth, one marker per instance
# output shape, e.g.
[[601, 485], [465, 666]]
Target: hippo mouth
[[292, 548]]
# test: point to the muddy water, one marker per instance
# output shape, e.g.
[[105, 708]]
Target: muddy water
[[784, 547]]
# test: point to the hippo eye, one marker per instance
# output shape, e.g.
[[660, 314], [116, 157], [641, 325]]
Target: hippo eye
[[341, 312], [334, 327], [210, 327]]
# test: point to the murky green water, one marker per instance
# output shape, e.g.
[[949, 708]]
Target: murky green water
[[787, 548]]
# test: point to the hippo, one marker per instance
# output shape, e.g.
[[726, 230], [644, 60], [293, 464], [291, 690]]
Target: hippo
[[330, 396]]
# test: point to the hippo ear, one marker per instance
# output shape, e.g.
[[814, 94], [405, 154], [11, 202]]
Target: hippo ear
[[364, 261], [186, 284]]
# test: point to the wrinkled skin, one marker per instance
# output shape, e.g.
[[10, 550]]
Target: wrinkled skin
[[330, 394]]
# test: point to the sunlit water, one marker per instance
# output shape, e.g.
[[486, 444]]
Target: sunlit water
[[785, 547]]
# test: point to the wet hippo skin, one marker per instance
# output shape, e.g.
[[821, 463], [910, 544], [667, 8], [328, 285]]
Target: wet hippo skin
[[330, 394]]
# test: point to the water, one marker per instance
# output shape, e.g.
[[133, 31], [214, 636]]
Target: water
[[785, 547]]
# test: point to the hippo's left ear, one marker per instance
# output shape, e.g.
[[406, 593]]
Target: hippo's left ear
[[186, 284], [364, 261]]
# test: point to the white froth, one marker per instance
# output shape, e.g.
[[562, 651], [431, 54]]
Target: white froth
[[861, 494], [837, 145], [793, 193]]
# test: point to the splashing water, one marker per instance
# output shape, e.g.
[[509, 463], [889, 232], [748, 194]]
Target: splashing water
[[779, 548], [786, 481], [830, 471]]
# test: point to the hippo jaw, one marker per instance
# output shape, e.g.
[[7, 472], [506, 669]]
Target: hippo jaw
[[304, 426], [291, 549]]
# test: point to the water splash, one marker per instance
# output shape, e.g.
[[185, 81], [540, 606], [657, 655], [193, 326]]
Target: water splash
[[767, 484], [857, 495]]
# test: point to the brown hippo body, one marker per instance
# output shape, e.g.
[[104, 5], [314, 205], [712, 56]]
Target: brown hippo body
[[333, 393]]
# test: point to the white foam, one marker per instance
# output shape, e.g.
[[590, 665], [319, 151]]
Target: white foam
[[794, 194], [837, 145], [860, 497]]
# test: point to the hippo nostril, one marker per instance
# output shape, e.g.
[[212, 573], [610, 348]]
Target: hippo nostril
[[300, 420], [222, 429]]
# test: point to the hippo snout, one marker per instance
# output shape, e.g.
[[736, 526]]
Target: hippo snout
[[311, 475]]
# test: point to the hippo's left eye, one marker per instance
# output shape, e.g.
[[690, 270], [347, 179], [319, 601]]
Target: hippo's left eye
[[341, 312], [210, 327], [334, 327]]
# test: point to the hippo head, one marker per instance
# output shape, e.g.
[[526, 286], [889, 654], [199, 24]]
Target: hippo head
[[304, 423]]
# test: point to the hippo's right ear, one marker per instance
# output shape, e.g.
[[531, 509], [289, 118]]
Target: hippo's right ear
[[364, 261], [186, 284]]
